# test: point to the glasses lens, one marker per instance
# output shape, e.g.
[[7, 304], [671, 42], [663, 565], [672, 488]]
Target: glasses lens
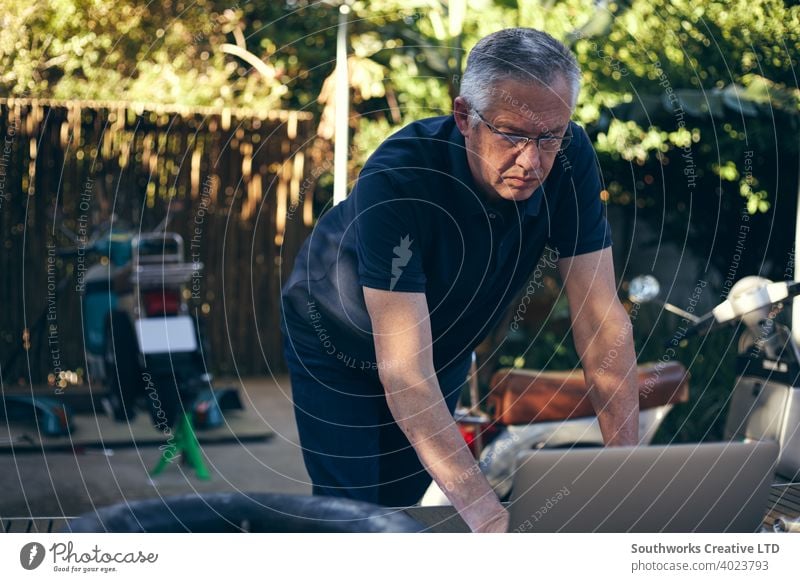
[[554, 144], [516, 141], [549, 144]]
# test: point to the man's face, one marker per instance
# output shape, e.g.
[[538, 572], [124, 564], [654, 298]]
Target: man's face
[[502, 169]]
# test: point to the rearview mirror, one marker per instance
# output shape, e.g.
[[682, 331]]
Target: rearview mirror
[[643, 289]]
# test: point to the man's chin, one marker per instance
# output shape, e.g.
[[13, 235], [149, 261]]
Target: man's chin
[[517, 190]]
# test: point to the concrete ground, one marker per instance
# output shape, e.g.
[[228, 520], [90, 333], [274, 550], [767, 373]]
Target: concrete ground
[[61, 484], [68, 484]]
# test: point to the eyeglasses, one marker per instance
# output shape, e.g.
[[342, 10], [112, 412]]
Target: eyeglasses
[[545, 143]]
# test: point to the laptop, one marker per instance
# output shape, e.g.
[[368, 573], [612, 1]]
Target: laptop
[[716, 487]]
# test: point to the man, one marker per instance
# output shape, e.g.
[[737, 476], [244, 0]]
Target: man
[[398, 284]]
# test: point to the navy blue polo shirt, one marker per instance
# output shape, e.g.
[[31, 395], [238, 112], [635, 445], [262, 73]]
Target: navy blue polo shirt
[[416, 222]]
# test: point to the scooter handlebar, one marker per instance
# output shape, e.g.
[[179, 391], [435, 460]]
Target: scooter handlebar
[[734, 308], [703, 324], [754, 298]]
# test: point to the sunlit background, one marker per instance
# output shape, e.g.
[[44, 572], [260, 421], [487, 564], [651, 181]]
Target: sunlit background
[[129, 112]]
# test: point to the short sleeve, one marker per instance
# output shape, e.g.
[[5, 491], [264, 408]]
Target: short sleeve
[[579, 225], [389, 236]]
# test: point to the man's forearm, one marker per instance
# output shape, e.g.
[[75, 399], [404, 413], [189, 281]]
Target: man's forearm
[[609, 365], [603, 337], [421, 413], [401, 327]]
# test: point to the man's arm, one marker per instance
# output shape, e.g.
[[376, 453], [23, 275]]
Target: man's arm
[[602, 332], [401, 328]]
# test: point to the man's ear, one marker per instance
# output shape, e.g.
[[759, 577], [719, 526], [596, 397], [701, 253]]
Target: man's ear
[[461, 114]]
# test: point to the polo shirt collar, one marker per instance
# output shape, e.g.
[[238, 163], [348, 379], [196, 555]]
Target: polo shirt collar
[[534, 203], [469, 196]]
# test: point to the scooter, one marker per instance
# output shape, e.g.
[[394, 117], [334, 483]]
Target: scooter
[[534, 409], [765, 403], [141, 341], [765, 399]]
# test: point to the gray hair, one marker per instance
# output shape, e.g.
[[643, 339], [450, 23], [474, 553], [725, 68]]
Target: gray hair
[[526, 55]]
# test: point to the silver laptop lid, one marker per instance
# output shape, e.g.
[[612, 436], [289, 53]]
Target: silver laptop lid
[[716, 487]]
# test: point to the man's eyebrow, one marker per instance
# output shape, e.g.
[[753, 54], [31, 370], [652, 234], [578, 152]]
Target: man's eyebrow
[[508, 127], [512, 129]]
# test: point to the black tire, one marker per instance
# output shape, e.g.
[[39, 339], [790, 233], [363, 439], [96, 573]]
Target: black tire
[[164, 399], [253, 512], [123, 376]]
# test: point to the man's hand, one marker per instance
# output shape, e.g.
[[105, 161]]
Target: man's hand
[[602, 332], [401, 328]]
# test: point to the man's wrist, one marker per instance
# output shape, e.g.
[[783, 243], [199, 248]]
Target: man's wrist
[[485, 516]]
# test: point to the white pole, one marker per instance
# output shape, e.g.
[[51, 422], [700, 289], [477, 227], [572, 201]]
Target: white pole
[[342, 103]]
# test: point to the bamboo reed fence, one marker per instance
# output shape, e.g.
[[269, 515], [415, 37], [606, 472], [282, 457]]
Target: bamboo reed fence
[[237, 185]]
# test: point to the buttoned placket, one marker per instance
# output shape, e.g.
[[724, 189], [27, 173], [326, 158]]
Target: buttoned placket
[[503, 236]]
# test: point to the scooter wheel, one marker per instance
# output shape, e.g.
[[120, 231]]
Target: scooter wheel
[[123, 376]]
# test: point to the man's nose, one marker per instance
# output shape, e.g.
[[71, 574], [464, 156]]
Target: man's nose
[[529, 157]]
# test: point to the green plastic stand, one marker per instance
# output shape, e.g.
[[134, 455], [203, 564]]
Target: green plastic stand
[[184, 442]]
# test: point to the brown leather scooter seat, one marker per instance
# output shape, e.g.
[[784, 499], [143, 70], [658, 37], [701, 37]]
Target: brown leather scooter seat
[[525, 396]]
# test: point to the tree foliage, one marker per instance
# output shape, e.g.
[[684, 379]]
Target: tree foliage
[[702, 100]]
